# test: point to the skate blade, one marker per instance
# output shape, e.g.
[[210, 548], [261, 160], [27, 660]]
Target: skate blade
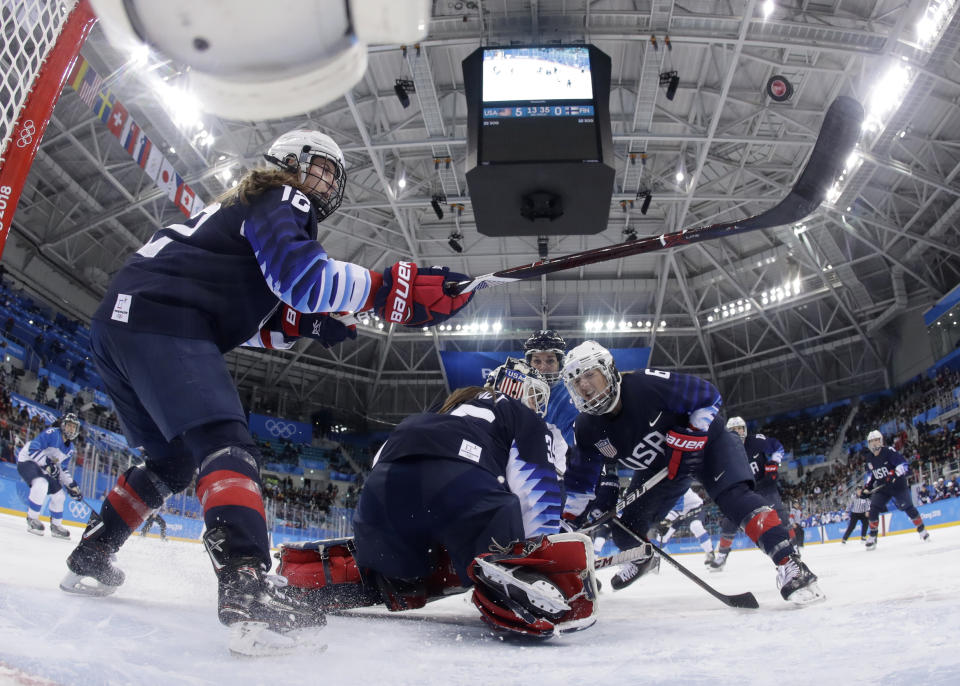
[[257, 639], [35, 532], [78, 585], [808, 595]]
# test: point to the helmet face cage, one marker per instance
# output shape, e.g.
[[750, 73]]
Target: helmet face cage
[[737, 426], [516, 379], [70, 426], [546, 341], [586, 356], [297, 152], [874, 437]]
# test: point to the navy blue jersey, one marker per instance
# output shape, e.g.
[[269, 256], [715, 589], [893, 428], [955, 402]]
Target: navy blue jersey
[[219, 275], [887, 465], [653, 402], [762, 451], [502, 436]]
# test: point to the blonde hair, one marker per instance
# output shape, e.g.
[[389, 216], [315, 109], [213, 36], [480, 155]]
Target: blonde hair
[[257, 182], [460, 396]]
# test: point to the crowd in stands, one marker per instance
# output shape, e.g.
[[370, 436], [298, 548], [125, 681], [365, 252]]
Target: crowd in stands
[[805, 435]]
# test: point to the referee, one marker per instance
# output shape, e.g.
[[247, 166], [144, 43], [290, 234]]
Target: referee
[[859, 506]]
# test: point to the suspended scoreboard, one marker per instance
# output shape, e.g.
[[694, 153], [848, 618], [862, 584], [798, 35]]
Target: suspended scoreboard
[[539, 143]]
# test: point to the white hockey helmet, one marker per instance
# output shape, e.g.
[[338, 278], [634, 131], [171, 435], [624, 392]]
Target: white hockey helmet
[[517, 379], [70, 426], [737, 426], [295, 151], [255, 60], [874, 436], [587, 356]]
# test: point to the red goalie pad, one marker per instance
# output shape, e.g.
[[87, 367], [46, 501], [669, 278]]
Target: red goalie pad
[[539, 587]]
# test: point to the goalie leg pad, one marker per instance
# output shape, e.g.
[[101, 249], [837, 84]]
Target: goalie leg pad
[[326, 575], [540, 587]]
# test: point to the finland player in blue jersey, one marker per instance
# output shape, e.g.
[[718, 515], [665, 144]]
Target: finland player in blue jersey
[[43, 463], [480, 474], [887, 478], [653, 420], [764, 454], [248, 268]]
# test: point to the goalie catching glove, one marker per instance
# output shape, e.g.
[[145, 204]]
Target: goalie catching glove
[[540, 587], [414, 296]]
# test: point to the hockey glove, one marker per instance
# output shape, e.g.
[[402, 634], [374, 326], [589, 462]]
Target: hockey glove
[[73, 490], [52, 468], [686, 456], [771, 469], [286, 325], [608, 490], [415, 297], [901, 469]]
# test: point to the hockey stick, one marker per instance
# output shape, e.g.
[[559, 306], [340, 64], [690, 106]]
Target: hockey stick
[[627, 499], [742, 600], [628, 555], [838, 136]]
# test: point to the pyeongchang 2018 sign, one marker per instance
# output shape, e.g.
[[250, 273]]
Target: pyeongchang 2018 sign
[[278, 429], [471, 369]]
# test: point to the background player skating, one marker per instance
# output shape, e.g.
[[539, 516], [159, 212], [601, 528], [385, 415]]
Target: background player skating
[[887, 478], [43, 464]]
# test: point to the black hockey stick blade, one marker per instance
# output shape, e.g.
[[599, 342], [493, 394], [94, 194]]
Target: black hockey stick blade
[[838, 135], [745, 601]]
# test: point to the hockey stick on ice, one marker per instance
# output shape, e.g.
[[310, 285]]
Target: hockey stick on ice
[[627, 499], [838, 136], [742, 600]]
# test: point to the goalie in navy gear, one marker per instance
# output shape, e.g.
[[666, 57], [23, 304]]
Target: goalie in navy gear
[[465, 496], [248, 268], [654, 420], [43, 464], [764, 453], [887, 479]]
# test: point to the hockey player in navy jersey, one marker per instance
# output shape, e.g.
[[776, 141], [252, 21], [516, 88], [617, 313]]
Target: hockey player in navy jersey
[[480, 474], [887, 478], [43, 464], [765, 454], [248, 268], [653, 420]]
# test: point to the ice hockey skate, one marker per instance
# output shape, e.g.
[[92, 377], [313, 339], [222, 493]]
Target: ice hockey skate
[[719, 560], [58, 531], [631, 571], [710, 558], [35, 527], [924, 535], [871, 543], [797, 583], [91, 571]]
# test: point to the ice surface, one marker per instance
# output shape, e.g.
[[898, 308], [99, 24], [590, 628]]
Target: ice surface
[[892, 616]]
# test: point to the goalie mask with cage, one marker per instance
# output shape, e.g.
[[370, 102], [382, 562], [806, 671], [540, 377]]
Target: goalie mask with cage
[[737, 426], [318, 163], [70, 426], [546, 342], [592, 378], [517, 379]]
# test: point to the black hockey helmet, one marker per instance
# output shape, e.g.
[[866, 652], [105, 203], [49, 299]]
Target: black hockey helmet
[[546, 341]]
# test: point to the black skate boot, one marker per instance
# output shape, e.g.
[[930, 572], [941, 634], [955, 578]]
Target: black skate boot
[[718, 561], [92, 560], [58, 531], [631, 571], [35, 527], [710, 559], [797, 583], [255, 603]]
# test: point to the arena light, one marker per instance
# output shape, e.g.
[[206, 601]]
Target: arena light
[[887, 95], [768, 7]]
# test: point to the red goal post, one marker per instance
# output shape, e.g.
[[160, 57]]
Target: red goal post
[[39, 43]]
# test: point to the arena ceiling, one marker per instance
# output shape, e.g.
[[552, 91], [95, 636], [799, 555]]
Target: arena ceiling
[[885, 247]]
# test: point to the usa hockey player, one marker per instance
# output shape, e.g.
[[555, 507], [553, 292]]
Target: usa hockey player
[[195, 291], [448, 487], [653, 420], [886, 479], [43, 464], [765, 455]]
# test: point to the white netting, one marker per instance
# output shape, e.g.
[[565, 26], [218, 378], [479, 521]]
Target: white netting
[[30, 28]]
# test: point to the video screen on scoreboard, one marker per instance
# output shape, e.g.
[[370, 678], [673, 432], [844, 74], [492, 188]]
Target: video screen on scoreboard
[[536, 74], [537, 105]]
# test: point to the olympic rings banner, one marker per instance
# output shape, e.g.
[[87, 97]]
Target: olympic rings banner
[[278, 429]]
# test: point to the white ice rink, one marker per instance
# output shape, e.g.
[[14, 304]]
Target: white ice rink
[[892, 617]]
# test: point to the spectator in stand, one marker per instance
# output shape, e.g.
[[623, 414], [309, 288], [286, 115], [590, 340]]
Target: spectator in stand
[[61, 394], [42, 385]]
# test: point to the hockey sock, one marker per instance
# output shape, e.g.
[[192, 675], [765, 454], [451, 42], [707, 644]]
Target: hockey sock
[[874, 527], [763, 527], [701, 534], [918, 522], [724, 545], [229, 491], [137, 492]]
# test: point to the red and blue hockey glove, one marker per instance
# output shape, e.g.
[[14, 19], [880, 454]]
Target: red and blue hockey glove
[[415, 297], [771, 469], [686, 454]]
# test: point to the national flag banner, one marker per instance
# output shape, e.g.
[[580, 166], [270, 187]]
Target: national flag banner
[[117, 122], [167, 179], [104, 103], [510, 385]]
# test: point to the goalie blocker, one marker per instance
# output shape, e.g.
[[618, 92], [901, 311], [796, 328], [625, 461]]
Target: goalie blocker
[[539, 587]]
